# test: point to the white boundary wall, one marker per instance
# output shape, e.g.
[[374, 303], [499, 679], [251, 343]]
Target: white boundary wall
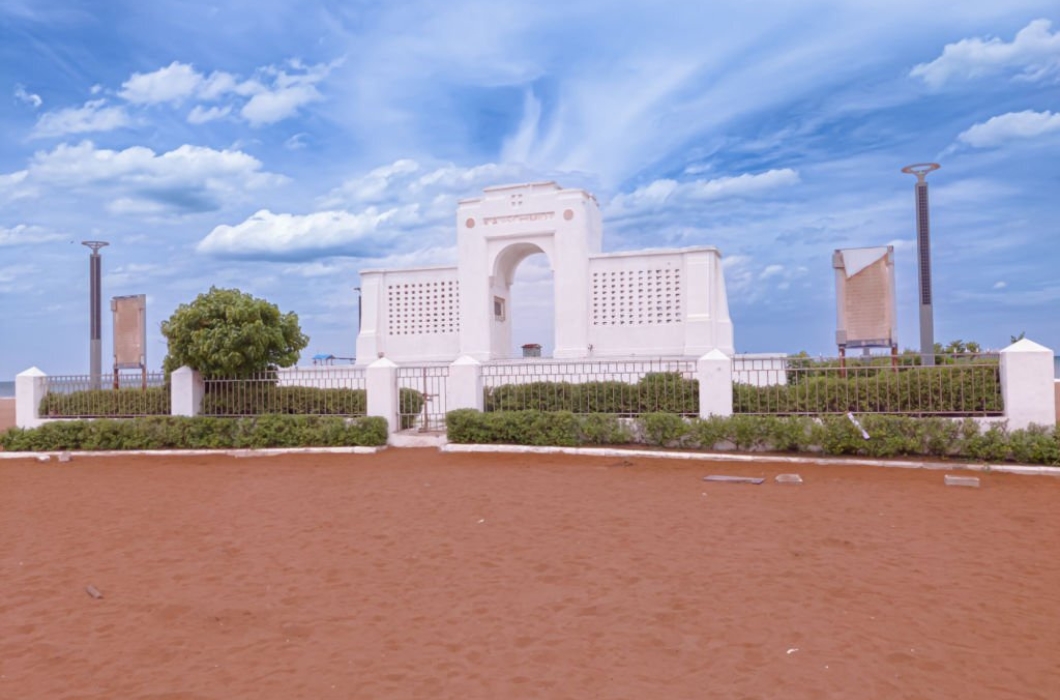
[[1028, 386]]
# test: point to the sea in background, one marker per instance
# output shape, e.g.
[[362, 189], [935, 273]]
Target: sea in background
[[1056, 366]]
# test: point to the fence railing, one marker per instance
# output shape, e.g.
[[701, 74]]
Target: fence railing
[[338, 392], [955, 385], [422, 396], [624, 387], [105, 396]]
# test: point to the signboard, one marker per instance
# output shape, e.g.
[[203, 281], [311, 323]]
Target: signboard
[[130, 331], [865, 305]]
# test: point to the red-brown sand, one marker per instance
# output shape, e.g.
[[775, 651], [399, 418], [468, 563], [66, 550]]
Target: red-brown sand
[[415, 574]]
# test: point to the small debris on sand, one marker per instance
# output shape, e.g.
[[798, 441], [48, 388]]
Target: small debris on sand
[[734, 479]]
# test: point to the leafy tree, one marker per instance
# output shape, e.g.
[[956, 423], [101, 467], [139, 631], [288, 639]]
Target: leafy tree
[[228, 333]]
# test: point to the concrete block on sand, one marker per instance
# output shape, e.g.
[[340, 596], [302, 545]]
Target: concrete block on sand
[[734, 479]]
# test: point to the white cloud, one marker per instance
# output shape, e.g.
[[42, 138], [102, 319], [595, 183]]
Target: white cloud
[[368, 234], [670, 192], [174, 83], [138, 180], [1010, 127], [1000, 285], [1034, 54], [95, 115], [273, 94], [272, 106], [201, 115], [27, 235], [29, 98]]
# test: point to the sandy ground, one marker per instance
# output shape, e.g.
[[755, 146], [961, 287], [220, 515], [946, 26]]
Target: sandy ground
[[414, 574], [7, 414]]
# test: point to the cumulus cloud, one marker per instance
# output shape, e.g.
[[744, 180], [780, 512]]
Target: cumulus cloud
[[271, 95], [29, 98], [669, 192], [400, 209], [94, 116], [1013, 126], [367, 234], [174, 83], [1033, 55], [138, 180], [201, 115]]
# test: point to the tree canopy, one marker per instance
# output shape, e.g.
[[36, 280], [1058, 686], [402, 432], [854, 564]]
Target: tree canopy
[[231, 334]]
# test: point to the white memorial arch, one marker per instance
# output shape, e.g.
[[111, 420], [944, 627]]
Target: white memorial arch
[[648, 303]]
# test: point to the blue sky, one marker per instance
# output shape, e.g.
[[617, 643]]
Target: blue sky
[[281, 146]]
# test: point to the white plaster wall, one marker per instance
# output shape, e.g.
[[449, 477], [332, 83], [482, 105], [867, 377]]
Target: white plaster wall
[[580, 371], [323, 377], [760, 369], [427, 329], [658, 303]]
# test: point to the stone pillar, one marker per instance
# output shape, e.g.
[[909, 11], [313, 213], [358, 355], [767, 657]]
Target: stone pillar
[[463, 387], [1027, 384], [382, 386], [30, 388], [714, 371], [186, 389]]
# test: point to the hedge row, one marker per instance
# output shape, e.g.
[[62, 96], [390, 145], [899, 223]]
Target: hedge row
[[957, 391], [939, 390], [666, 392], [162, 433], [226, 399], [890, 436], [153, 401]]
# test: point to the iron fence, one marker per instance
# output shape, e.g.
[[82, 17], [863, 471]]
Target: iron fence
[[335, 391], [624, 387], [421, 396], [955, 385], [105, 396]]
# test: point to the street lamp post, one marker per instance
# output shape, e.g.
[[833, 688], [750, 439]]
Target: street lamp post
[[95, 317], [923, 247]]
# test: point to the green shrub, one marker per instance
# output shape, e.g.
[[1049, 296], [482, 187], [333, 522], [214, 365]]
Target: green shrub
[[169, 432], [666, 392], [107, 402], [251, 398], [889, 436], [663, 429], [953, 390]]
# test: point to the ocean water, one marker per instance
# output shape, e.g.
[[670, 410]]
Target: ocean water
[[1056, 367], [7, 390]]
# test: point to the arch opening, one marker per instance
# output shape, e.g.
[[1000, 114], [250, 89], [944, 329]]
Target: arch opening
[[523, 302]]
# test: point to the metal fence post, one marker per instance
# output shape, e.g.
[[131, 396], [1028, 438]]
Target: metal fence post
[[30, 388], [714, 371], [186, 391], [381, 383]]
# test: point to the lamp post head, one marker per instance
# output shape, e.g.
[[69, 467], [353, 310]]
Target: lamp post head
[[95, 245], [921, 170]]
